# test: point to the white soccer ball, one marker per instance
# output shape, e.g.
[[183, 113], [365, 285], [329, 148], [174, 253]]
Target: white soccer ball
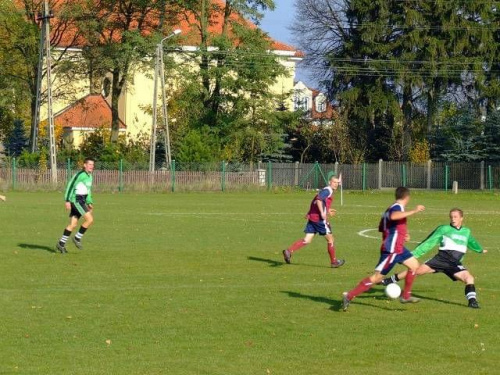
[[392, 290]]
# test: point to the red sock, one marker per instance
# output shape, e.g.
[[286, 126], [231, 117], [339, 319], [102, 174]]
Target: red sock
[[331, 252], [362, 287], [297, 245], [410, 276]]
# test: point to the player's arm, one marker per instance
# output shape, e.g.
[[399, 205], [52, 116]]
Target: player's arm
[[475, 246], [321, 207], [89, 200], [69, 195], [429, 243], [398, 215]]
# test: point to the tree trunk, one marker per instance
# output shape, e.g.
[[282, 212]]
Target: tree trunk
[[115, 97], [408, 119], [432, 102]]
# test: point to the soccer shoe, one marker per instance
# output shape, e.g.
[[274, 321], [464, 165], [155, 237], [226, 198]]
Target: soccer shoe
[[77, 243], [409, 300], [386, 281], [338, 263], [287, 256], [345, 301], [473, 303], [61, 248]]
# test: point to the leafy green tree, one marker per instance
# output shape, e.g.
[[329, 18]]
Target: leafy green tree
[[19, 51], [17, 140], [119, 36]]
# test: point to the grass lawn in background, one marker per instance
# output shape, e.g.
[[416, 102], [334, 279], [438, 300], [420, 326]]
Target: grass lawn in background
[[195, 283]]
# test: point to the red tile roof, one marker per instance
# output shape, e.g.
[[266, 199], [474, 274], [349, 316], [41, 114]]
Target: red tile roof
[[92, 111], [68, 34]]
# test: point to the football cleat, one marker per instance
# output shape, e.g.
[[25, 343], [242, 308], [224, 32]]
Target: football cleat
[[338, 263], [61, 248], [409, 300], [287, 256], [473, 303], [345, 301], [77, 243]]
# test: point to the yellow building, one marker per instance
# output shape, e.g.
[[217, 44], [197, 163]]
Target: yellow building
[[92, 110]]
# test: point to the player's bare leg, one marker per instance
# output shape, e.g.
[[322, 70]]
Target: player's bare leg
[[412, 264], [88, 221], [335, 263], [470, 289], [297, 245]]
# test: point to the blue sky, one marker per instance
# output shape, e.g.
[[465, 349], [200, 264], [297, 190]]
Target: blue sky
[[277, 24]]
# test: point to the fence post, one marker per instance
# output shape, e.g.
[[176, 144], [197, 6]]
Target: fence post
[[316, 175], [336, 170], [269, 175], [68, 169], [380, 167], [120, 176], [364, 176], [296, 176], [14, 174], [481, 185], [429, 173], [403, 175], [490, 178], [223, 176], [446, 177], [172, 175]]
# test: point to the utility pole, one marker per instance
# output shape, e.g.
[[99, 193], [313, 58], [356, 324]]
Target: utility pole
[[160, 71], [45, 51]]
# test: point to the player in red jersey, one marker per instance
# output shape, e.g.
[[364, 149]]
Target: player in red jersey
[[317, 223], [394, 235]]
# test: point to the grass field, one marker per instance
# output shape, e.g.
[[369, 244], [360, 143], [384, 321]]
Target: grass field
[[194, 283]]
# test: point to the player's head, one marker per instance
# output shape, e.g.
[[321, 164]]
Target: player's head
[[88, 165], [403, 194], [456, 217], [333, 181]]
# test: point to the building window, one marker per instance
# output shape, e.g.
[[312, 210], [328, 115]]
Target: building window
[[302, 104], [320, 104]]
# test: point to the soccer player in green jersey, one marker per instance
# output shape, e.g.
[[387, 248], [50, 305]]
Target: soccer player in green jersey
[[454, 240], [79, 203]]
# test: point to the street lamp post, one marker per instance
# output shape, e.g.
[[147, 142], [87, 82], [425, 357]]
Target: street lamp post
[[160, 71]]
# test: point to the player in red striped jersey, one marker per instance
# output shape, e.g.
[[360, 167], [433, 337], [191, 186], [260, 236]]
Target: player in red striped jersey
[[393, 226], [317, 223]]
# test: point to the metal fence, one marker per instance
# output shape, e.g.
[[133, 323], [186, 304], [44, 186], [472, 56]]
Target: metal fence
[[126, 176]]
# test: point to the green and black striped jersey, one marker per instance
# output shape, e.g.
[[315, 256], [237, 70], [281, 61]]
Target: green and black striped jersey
[[449, 239], [80, 184]]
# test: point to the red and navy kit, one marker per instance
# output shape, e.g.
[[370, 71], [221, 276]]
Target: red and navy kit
[[393, 238], [315, 223]]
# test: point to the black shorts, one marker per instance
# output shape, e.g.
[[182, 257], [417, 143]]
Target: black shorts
[[446, 264], [80, 207]]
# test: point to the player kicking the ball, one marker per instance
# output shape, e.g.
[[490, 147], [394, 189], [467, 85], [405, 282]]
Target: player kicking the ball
[[453, 240], [394, 235], [317, 223]]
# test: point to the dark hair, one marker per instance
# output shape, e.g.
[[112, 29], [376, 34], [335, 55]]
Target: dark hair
[[402, 192], [89, 159], [457, 210]]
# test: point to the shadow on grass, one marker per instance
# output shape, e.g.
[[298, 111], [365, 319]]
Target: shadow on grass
[[30, 246], [336, 305], [277, 263], [271, 262], [439, 300]]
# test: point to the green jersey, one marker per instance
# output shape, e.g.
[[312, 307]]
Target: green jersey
[[80, 184], [453, 240]]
